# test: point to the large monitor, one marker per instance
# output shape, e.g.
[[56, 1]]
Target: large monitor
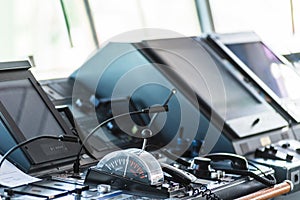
[[245, 112], [29, 113], [272, 72]]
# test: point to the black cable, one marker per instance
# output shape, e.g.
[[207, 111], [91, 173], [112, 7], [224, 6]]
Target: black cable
[[202, 190], [267, 176], [154, 109], [253, 165], [205, 192]]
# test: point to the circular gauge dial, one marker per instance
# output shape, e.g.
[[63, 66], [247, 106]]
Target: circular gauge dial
[[133, 164], [126, 166]]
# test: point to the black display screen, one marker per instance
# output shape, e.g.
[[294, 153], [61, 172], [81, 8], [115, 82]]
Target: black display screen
[[238, 99], [281, 79], [27, 108]]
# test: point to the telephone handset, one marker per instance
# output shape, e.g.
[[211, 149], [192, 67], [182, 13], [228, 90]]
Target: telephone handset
[[227, 161], [236, 164], [214, 166], [204, 164]]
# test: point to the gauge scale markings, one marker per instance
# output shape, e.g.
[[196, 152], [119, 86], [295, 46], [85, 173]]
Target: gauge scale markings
[[133, 164]]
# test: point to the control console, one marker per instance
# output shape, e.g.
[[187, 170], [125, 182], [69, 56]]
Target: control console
[[284, 158], [216, 176]]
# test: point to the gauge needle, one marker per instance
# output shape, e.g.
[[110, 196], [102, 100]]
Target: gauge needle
[[126, 166]]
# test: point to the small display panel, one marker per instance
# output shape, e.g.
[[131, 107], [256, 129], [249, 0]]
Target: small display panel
[[27, 108], [281, 79]]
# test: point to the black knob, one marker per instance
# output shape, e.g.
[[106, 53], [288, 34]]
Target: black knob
[[286, 145], [272, 147], [289, 157], [201, 163]]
